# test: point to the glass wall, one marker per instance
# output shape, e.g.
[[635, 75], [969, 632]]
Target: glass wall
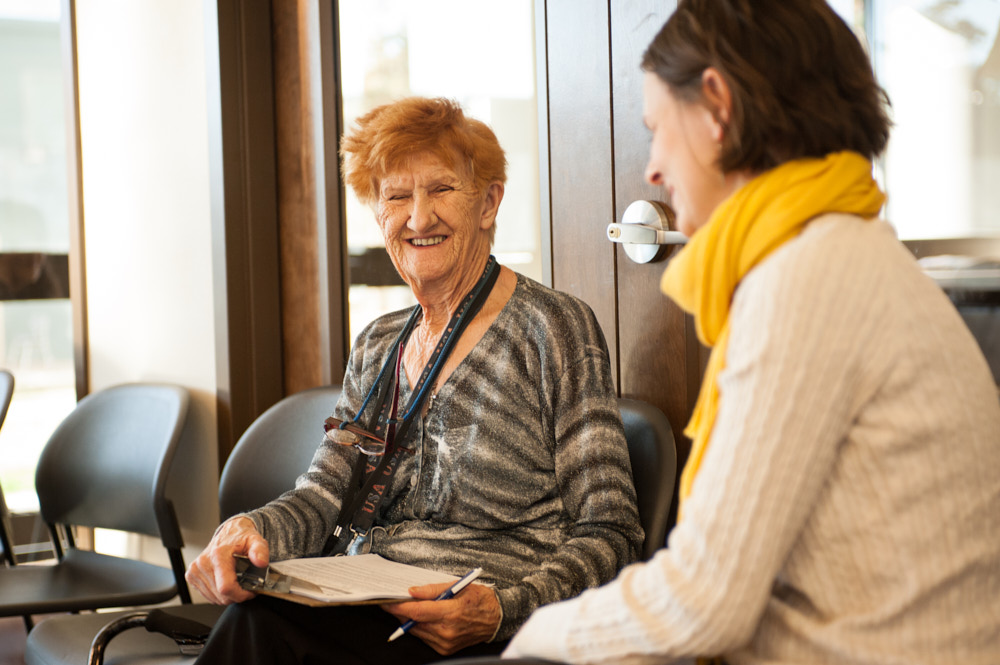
[[939, 62], [36, 338], [472, 51]]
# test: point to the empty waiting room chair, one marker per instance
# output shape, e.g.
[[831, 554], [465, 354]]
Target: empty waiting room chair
[[270, 455], [105, 466]]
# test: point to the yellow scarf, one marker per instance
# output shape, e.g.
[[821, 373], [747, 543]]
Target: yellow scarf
[[761, 216]]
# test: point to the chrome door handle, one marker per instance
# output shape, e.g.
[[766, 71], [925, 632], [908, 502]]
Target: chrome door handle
[[640, 234], [644, 229]]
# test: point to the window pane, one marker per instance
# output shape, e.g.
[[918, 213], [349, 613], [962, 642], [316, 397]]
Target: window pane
[[35, 335], [939, 61], [439, 48]]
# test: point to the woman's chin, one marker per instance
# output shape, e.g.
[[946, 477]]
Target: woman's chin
[[427, 266]]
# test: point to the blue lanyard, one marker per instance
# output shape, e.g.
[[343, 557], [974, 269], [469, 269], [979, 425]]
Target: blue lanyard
[[466, 311], [360, 511]]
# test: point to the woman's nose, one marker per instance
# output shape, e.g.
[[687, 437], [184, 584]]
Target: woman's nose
[[422, 214], [653, 176]]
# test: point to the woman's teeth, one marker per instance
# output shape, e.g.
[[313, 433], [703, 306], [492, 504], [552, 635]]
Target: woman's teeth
[[425, 242]]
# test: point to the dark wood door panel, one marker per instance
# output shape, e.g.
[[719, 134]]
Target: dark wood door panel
[[658, 351], [598, 148], [580, 166]]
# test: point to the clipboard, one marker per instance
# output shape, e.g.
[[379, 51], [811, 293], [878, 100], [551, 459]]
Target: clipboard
[[365, 579]]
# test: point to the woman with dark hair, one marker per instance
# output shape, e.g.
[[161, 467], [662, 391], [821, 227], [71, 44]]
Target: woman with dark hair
[[840, 502], [476, 429]]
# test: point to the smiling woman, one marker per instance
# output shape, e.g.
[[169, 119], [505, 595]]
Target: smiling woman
[[494, 399], [435, 179], [431, 218], [403, 54]]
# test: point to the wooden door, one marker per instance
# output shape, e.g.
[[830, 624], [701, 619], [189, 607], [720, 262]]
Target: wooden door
[[597, 154]]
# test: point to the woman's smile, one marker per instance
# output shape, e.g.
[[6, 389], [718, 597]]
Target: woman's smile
[[427, 242], [433, 220]]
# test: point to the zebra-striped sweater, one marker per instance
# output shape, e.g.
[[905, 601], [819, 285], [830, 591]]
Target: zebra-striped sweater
[[520, 465]]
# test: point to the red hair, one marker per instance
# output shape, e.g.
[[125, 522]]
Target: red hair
[[389, 135]]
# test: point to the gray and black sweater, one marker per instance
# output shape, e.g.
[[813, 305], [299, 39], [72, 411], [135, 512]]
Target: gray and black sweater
[[520, 465]]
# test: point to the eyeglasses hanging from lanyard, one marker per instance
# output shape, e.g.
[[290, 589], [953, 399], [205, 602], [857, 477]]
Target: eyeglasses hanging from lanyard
[[348, 433], [369, 441]]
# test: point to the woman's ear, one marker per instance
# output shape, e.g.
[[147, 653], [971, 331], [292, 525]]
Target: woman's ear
[[494, 194], [718, 98]]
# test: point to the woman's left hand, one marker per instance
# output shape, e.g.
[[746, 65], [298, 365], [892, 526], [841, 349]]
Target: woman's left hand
[[446, 626]]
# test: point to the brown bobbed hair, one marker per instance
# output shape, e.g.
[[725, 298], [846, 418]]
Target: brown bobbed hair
[[389, 135], [801, 83]]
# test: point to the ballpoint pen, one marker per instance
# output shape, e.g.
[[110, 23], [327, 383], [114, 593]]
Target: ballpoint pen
[[454, 589]]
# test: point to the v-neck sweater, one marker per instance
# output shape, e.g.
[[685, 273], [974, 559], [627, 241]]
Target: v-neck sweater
[[520, 465]]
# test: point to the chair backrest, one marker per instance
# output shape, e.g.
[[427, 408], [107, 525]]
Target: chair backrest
[[653, 455], [276, 448], [6, 533], [106, 464], [6, 393], [279, 445]]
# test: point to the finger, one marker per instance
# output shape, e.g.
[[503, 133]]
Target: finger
[[229, 589], [429, 637], [197, 578], [429, 591], [425, 611], [223, 576], [443, 643], [393, 609], [258, 552]]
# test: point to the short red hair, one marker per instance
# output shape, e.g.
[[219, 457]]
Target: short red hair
[[389, 135]]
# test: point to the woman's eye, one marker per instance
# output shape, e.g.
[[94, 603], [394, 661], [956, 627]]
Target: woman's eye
[[443, 188]]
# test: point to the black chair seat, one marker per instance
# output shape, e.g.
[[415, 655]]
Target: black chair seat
[[253, 475], [63, 640], [84, 580]]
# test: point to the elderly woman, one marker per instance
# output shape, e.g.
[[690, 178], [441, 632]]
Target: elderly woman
[[487, 417], [840, 502]]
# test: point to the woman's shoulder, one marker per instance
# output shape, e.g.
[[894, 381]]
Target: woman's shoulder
[[839, 249], [541, 296], [537, 297], [551, 319], [383, 329], [839, 266]]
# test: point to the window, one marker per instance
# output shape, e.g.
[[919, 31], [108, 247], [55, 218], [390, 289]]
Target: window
[[439, 48], [939, 62], [36, 337]]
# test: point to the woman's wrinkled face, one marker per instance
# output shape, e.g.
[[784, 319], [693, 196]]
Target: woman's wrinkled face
[[683, 154], [434, 221]]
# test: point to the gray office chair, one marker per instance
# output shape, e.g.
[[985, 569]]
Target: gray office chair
[[271, 454], [6, 533], [653, 455], [105, 466], [6, 528]]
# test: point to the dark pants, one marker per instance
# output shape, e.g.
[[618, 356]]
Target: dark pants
[[267, 631]]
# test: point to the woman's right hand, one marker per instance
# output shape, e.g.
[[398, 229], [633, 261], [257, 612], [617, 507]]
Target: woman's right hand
[[213, 573]]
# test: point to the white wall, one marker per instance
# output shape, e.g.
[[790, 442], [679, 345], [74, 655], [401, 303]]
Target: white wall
[[147, 221]]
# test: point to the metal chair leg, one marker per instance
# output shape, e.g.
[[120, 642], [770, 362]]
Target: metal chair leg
[[189, 635]]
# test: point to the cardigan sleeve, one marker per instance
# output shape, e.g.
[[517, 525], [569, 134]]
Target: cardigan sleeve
[[598, 497], [299, 522]]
